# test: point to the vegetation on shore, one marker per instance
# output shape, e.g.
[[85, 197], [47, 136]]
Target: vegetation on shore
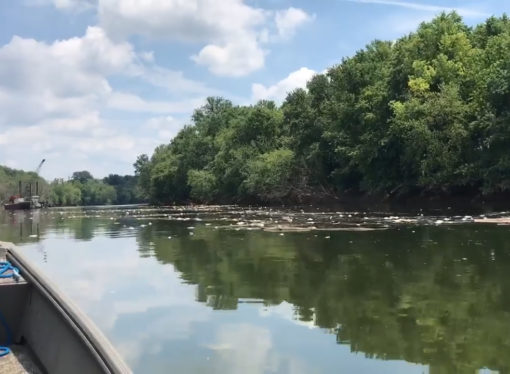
[[428, 112], [84, 189], [81, 189]]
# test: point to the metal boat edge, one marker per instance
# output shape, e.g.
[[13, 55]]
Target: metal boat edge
[[86, 350]]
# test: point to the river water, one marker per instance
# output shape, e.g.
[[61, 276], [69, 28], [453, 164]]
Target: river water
[[232, 290]]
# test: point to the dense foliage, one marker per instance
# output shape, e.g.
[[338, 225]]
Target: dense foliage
[[428, 112], [83, 189]]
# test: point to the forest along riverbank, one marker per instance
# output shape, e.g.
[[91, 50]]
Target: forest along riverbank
[[421, 114], [194, 288]]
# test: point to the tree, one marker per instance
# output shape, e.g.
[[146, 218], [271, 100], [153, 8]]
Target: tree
[[81, 176], [426, 113], [269, 176]]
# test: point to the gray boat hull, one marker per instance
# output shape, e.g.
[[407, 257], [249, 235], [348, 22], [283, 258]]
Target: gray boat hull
[[61, 338]]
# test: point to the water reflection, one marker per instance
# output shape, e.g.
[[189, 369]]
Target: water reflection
[[426, 294]]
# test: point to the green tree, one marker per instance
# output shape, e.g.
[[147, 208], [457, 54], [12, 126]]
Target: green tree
[[269, 176], [82, 176]]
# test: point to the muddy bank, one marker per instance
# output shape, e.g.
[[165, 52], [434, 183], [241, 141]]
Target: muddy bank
[[431, 203]]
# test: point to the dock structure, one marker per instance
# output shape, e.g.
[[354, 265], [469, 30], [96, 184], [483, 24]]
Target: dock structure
[[45, 331]]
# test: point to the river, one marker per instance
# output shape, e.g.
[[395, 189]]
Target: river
[[232, 290]]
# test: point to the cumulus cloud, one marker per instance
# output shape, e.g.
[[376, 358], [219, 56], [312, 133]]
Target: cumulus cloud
[[287, 21], [166, 127], [80, 142], [231, 32], [189, 21], [39, 80], [229, 29], [54, 98], [234, 58], [279, 90]]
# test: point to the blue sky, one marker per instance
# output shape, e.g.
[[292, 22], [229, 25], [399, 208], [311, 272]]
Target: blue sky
[[91, 84]]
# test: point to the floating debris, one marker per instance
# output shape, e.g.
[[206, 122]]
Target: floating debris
[[499, 220]]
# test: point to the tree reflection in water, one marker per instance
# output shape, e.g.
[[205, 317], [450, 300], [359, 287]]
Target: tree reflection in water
[[436, 296]]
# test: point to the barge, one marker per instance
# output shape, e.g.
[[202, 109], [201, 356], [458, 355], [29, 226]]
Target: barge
[[41, 330]]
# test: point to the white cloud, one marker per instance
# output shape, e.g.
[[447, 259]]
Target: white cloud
[[183, 20], [166, 127], [67, 77], [234, 58], [55, 98], [231, 32], [79, 143], [230, 29], [279, 90], [287, 21], [173, 81], [465, 12]]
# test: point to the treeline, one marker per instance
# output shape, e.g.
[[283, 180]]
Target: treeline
[[429, 112], [84, 189], [9, 183]]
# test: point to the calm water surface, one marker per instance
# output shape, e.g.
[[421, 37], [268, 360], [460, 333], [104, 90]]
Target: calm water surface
[[227, 290]]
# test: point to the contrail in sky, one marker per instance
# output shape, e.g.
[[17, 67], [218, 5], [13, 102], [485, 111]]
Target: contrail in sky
[[425, 7]]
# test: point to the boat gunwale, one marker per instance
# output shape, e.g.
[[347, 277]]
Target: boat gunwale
[[99, 346]]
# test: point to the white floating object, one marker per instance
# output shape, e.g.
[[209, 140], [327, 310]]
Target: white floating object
[[439, 221], [327, 237], [169, 237], [191, 233]]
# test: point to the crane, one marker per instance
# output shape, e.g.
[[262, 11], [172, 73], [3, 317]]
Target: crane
[[40, 166], [35, 199]]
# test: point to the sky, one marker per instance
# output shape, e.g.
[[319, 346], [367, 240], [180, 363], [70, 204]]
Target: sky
[[92, 84]]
